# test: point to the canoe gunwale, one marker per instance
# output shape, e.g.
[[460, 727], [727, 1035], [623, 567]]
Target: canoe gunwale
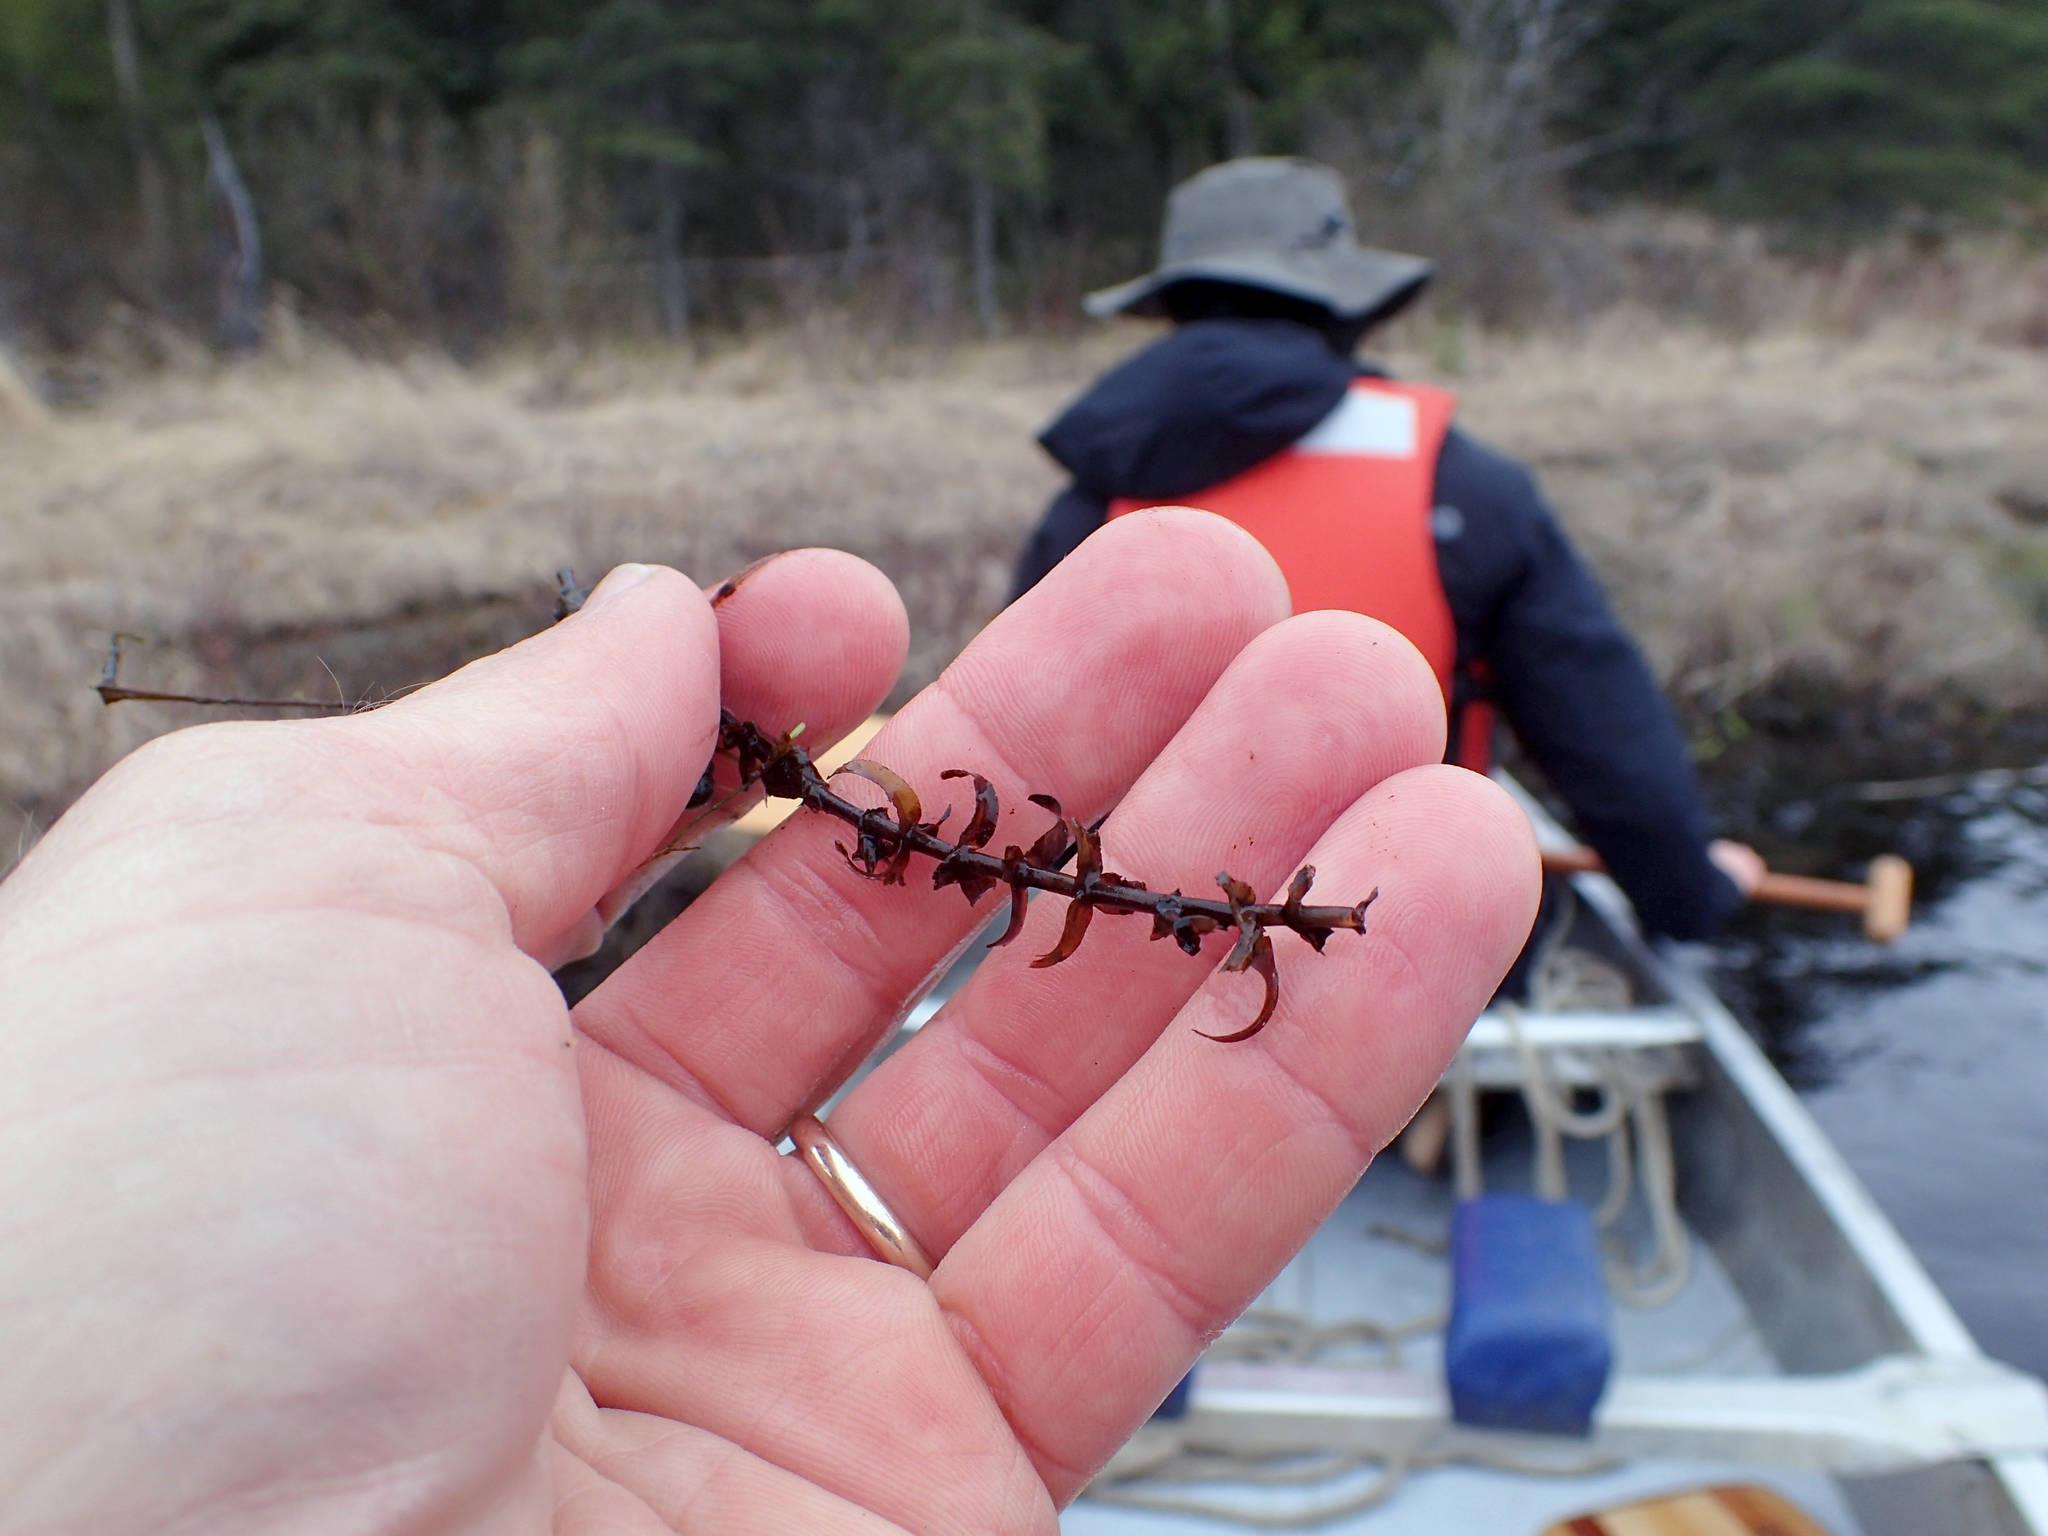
[[1828, 1280]]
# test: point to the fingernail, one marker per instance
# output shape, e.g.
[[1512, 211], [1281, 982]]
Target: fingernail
[[732, 583], [620, 579]]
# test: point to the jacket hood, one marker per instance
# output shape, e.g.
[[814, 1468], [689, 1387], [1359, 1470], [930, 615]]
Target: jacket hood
[[1204, 403]]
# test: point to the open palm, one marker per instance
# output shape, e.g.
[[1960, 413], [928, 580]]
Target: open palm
[[319, 1211]]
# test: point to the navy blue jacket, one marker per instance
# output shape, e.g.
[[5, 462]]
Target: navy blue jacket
[[1215, 397]]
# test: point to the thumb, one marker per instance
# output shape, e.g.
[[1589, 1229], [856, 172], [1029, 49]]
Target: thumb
[[555, 765]]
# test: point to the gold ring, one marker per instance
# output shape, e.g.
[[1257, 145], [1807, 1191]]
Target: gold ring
[[854, 1195]]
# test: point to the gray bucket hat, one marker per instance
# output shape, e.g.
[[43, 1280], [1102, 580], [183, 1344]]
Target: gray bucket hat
[[1278, 224]]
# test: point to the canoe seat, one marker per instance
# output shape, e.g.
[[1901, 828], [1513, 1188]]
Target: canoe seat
[[1529, 1345]]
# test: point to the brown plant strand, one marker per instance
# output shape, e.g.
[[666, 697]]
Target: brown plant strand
[[112, 691], [569, 598], [886, 836]]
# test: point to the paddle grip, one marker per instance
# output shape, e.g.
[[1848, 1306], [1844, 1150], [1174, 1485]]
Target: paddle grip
[[1885, 898]]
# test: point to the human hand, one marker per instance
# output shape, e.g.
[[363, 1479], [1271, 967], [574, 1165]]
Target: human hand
[[1740, 863], [318, 1211]]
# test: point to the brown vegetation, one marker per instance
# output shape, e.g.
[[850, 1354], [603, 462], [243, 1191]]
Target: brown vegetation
[[1844, 483]]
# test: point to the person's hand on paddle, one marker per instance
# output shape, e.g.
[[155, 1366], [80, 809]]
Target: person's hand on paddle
[[322, 1213], [1739, 862]]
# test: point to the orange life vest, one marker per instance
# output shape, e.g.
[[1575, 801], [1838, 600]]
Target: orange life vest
[[1346, 514]]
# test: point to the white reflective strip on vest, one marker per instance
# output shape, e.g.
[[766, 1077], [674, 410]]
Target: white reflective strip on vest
[[1367, 423]]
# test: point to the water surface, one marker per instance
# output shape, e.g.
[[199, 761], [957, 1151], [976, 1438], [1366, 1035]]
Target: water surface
[[1927, 1062]]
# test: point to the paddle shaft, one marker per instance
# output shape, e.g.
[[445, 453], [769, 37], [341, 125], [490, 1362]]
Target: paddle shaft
[[1884, 900]]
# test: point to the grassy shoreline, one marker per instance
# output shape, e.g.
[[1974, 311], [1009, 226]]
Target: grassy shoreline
[[1798, 514]]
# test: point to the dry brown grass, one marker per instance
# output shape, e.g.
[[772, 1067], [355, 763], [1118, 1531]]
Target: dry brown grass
[[1864, 512], [1860, 504], [388, 521]]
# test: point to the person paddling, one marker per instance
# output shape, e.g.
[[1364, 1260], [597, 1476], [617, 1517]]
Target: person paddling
[[1370, 498]]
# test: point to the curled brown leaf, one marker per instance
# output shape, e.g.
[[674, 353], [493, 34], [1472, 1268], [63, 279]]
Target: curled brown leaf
[[1051, 846], [908, 807], [1075, 929], [1260, 959], [1013, 860], [981, 825]]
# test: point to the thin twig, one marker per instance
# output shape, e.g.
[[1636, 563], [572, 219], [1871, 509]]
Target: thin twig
[[111, 691]]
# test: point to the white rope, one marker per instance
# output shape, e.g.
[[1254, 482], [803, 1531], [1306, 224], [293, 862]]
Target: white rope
[[1671, 1265], [1630, 1108], [1231, 1467], [1546, 1118], [1467, 1177], [1620, 1183], [1430, 1245], [1267, 1334], [1181, 1464]]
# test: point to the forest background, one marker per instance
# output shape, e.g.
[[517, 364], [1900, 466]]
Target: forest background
[[468, 171]]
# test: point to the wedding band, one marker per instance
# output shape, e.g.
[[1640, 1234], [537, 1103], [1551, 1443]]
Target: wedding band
[[854, 1195]]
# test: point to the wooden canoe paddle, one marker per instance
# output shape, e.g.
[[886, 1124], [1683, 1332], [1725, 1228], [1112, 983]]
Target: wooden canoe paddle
[[1884, 899]]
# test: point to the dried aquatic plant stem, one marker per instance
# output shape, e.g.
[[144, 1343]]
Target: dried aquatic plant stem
[[112, 691], [885, 838]]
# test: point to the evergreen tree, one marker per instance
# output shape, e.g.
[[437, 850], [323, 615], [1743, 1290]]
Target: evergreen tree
[[976, 78], [644, 84], [1841, 111]]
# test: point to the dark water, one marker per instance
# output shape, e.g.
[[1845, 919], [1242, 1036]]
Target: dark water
[[1927, 1062]]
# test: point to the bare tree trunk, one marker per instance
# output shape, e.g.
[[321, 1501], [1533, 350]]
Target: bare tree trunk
[[149, 169], [1240, 137], [1495, 169], [982, 233], [668, 253], [241, 268]]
